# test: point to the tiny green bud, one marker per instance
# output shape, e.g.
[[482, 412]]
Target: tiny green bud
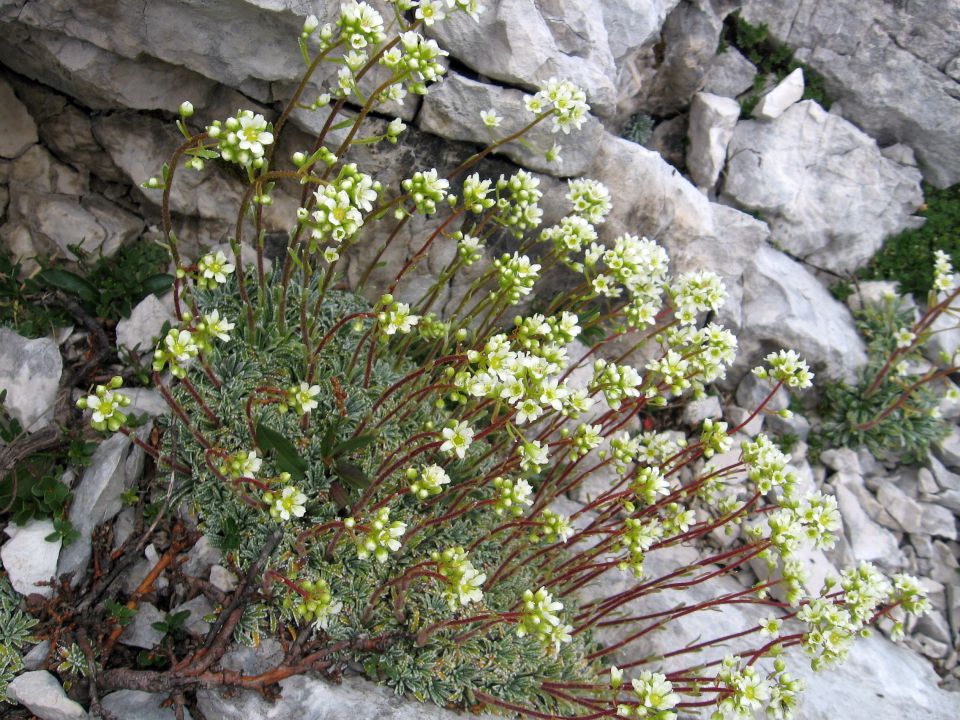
[[186, 109]]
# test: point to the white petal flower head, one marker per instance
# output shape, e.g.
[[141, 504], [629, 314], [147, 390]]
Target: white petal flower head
[[291, 502], [253, 133], [457, 438], [490, 118]]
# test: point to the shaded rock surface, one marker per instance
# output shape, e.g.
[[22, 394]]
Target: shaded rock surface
[[828, 194], [886, 66], [30, 373]]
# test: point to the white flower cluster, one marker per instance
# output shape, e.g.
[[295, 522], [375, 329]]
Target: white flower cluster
[[695, 358], [360, 25], [212, 270], [426, 189], [395, 317], [518, 202], [289, 502], [590, 199], [475, 194], [241, 139], [787, 367], [427, 481], [337, 215], [381, 538], [526, 379], [637, 265], [553, 528], [317, 605], [241, 464], [465, 581], [616, 382], [539, 618], [300, 398], [106, 406], [942, 272], [512, 496], [566, 100], [414, 63], [654, 698], [697, 292]]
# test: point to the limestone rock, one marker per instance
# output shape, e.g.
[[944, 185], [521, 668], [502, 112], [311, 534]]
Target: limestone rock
[[881, 62], [730, 74], [452, 110], [788, 308], [878, 681], [525, 42], [312, 698], [698, 234], [95, 500], [41, 694], [828, 194], [198, 608], [787, 92], [138, 705], [668, 73], [142, 328], [904, 509], [868, 541], [937, 521], [696, 411], [29, 559], [19, 129], [30, 373], [140, 632], [712, 119]]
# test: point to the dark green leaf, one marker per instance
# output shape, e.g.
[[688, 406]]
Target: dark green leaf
[[157, 284], [70, 283], [339, 495], [328, 437], [354, 443], [352, 475], [287, 458]]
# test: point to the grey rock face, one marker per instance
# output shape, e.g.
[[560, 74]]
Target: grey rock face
[[712, 119], [828, 194], [673, 70], [30, 373], [783, 95], [885, 65], [29, 559], [141, 329], [137, 705], [311, 698], [525, 42], [20, 131], [452, 110], [698, 234], [41, 694], [868, 541], [140, 632], [96, 499], [788, 308], [730, 74]]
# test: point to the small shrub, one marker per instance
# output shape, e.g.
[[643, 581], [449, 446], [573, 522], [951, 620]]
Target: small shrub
[[387, 483]]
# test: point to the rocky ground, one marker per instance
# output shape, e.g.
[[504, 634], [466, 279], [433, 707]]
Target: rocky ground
[[778, 203]]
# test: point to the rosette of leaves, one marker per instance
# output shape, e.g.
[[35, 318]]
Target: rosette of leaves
[[852, 417]]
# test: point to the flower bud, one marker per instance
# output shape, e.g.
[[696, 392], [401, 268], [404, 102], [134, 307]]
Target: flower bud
[[186, 109]]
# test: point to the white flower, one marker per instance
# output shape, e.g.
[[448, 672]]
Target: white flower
[[457, 438], [904, 338], [290, 503], [490, 118], [253, 133], [430, 11]]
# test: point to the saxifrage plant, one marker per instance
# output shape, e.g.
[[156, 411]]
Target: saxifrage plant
[[384, 479]]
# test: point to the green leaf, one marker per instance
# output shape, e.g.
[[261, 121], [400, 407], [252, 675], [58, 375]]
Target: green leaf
[[354, 443], [352, 475], [339, 495], [326, 444], [70, 283], [157, 284], [287, 458]]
